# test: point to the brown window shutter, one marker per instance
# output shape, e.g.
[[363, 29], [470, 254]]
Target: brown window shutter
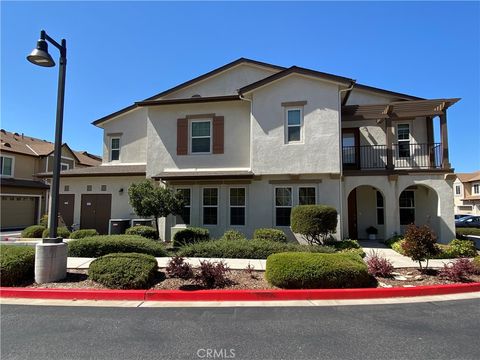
[[218, 134], [182, 137]]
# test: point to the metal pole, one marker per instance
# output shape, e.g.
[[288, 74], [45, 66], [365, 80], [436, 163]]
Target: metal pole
[[53, 220]]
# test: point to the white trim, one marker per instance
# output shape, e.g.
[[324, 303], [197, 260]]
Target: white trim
[[67, 165], [28, 146], [455, 190], [110, 149], [302, 186], [237, 206], [409, 141], [12, 172], [473, 187], [283, 207], [190, 137], [286, 125], [210, 206]]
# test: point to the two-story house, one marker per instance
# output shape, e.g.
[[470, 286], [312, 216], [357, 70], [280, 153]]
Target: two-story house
[[23, 194], [248, 141], [466, 192]]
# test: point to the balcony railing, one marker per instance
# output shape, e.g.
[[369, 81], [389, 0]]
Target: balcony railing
[[404, 156]]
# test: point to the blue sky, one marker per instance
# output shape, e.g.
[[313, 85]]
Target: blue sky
[[121, 52]]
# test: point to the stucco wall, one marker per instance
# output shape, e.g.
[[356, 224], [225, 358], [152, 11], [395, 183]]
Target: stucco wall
[[319, 150], [162, 137], [225, 83], [132, 128], [23, 165], [362, 97]]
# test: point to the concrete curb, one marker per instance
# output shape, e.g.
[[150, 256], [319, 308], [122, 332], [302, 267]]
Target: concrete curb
[[236, 295]]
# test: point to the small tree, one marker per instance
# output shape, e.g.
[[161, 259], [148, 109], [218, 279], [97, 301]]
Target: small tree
[[315, 222], [149, 199], [420, 244]]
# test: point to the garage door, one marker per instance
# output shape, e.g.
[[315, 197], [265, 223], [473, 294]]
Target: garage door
[[95, 212], [18, 211]]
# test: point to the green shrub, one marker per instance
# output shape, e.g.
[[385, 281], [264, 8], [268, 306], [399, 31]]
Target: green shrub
[[461, 248], [44, 221], [61, 232], [97, 246], [314, 222], [394, 239], [190, 235], [17, 264], [358, 252], [246, 249], [420, 244], [398, 246], [34, 231], [343, 244], [233, 235], [317, 271], [124, 271], [463, 232], [83, 233], [270, 234], [144, 231]]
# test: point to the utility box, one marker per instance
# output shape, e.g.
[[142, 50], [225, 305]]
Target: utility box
[[142, 222], [118, 226]]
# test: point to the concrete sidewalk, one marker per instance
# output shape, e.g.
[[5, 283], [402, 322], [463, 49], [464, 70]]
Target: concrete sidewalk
[[398, 260], [233, 264]]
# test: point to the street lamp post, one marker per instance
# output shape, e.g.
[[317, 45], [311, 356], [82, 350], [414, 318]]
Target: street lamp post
[[51, 254]]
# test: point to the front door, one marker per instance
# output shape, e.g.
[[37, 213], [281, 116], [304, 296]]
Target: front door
[[350, 148], [65, 208], [352, 215], [95, 212]]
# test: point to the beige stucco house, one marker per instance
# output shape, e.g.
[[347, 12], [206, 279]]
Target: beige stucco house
[[23, 193], [248, 141], [466, 193]]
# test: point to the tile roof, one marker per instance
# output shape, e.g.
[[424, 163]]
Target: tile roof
[[468, 177]]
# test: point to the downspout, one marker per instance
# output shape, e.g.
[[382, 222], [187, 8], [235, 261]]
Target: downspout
[[251, 125], [340, 153]]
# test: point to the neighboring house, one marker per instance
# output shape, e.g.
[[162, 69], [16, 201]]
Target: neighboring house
[[248, 141], [466, 191], [23, 194]]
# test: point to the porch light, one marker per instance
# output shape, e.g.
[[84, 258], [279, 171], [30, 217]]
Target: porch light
[[40, 56]]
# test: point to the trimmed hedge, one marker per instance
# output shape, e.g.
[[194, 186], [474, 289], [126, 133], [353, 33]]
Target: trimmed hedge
[[270, 234], [463, 232], [314, 222], [34, 231], [246, 249], [233, 235], [124, 271], [190, 235], [97, 246], [148, 232], [83, 233], [317, 271], [17, 264], [61, 232], [344, 244]]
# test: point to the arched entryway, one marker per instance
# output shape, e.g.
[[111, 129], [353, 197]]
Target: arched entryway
[[418, 204], [366, 208]]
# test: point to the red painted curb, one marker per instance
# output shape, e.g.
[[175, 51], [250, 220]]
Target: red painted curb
[[235, 295]]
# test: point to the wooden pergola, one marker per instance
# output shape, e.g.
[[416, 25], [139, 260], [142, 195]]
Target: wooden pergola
[[405, 110]]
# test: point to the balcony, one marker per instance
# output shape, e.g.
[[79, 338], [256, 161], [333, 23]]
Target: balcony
[[402, 156]]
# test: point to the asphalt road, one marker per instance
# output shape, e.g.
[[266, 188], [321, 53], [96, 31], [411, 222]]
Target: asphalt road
[[435, 330]]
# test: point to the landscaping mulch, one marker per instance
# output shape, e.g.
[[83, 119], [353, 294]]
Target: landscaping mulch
[[239, 279]]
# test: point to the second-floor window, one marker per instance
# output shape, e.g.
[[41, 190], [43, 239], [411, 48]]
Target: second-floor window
[[6, 166], [201, 136], [476, 189], [64, 166], [114, 148], [457, 190], [403, 139], [294, 120]]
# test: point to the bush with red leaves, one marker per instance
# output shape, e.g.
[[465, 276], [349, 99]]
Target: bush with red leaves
[[458, 270], [420, 244], [178, 268], [379, 266], [212, 274]]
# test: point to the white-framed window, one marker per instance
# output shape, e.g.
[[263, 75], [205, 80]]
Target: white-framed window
[[237, 205], [283, 205], [306, 195], [403, 140], [114, 148], [476, 188], [201, 136], [293, 125], [184, 216], [407, 207], [458, 190], [6, 165], [64, 166], [210, 206], [380, 209]]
